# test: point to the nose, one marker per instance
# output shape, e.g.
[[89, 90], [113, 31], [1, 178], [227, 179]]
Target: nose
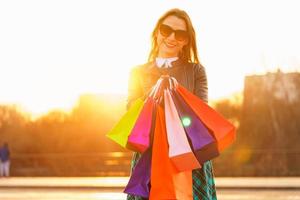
[[171, 36]]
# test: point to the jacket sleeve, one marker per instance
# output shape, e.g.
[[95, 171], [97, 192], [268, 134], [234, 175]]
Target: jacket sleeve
[[200, 89], [134, 86]]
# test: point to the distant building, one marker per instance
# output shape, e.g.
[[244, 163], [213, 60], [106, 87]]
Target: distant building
[[270, 122]]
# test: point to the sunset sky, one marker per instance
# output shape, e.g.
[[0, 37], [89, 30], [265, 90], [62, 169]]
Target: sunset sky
[[53, 51]]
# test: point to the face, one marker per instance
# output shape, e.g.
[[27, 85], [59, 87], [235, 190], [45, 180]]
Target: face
[[170, 42]]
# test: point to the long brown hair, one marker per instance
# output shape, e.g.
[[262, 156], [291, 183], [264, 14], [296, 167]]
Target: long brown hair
[[189, 52]]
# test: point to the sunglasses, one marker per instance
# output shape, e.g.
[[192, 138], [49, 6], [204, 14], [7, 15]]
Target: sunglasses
[[166, 31]]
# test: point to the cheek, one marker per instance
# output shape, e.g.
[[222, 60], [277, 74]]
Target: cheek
[[159, 40], [181, 45]]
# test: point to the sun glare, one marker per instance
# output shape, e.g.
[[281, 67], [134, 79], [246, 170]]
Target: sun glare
[[48, 60]]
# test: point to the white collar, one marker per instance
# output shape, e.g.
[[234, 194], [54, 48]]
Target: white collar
[[165, 62]]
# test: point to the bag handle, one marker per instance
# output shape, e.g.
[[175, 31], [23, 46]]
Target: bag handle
[[155, 88]]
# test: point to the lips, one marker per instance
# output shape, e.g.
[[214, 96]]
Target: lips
[[169, 45]]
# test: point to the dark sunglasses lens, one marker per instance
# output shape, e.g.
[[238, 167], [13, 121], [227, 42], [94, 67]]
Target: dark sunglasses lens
[[181, 35], [165, 30]]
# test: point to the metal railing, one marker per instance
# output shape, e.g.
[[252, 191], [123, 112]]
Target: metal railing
[[242, 162]]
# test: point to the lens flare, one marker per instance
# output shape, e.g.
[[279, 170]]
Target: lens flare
[[186, 121]]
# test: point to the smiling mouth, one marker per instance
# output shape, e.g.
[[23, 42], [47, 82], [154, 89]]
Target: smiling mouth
[[170, 45]]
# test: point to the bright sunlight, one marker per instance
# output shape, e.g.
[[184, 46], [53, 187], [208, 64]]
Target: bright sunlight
[[54, 51]]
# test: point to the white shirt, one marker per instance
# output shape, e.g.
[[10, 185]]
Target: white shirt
[[165, 62]]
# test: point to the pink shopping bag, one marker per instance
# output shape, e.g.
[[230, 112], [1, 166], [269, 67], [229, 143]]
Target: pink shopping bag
[[139, 138], [180, 151]]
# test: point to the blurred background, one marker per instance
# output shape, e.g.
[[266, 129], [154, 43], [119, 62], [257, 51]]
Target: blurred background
[[64, 68]]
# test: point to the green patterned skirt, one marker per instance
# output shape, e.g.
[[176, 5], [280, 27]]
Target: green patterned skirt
[[203, 181]]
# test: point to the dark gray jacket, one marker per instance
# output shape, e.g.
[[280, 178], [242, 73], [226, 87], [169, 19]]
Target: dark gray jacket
[[190, 75]]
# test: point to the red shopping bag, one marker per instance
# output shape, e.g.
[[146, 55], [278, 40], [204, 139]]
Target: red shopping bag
[[204, 145], [222, 129], [180, 151], [166, 181]]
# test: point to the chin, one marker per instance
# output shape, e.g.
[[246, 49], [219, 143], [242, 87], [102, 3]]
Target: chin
[[171, 53]]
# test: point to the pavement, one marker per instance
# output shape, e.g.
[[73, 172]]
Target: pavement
[[115, 183]]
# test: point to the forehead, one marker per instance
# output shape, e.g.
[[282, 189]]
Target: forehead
[[175, 22]]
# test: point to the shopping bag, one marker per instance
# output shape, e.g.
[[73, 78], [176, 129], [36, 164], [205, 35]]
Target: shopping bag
[[222, 129], [203, 143], [139, 138], [180, 151], [123, 128], [139, 182], [166, 181]]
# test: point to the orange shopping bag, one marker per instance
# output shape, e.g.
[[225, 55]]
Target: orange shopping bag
[[166, 181]]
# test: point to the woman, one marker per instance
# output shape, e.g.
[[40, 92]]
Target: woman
[[174, 53], [4, 160]]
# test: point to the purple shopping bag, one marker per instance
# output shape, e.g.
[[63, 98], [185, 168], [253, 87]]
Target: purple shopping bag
[[203, 143], [139, 182]]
